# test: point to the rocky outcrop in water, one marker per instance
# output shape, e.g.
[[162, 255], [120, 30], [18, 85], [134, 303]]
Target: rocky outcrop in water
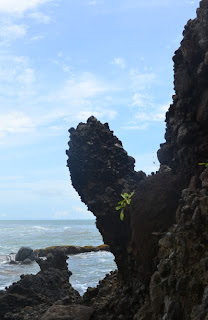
[[25, 253], [70, 250], [31, 297]]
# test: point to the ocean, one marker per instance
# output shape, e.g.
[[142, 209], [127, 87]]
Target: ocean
[[87, 268]]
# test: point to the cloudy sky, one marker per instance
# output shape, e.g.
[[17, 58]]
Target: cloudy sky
[[62, 61]]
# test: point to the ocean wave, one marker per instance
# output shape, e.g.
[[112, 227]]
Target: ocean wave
[[39, 228], [7, 258]]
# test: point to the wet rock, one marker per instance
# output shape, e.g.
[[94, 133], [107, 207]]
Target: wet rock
[[27, 261], [25, 253], [70, 250], [38, 291]]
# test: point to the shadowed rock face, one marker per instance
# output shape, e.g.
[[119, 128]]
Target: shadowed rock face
[[187, 129], [100, 171], [152, 211]]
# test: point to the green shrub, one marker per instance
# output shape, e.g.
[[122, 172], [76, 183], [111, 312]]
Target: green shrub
[[123, 203], [203, 164]]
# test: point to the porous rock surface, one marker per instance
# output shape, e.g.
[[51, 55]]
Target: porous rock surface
[[30, 297], [161, 246], [101, 170], [187, 130]]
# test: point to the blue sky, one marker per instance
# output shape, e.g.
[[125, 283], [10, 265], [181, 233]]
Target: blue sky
[[62, 61]]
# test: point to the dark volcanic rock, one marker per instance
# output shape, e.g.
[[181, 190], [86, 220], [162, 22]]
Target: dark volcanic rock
[[100, 171], [187, 130], [69, 312], [70, 250], [25, 253], [38, 292], [153, 210]]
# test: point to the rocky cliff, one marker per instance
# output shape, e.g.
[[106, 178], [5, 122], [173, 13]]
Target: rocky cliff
[[161, 246]]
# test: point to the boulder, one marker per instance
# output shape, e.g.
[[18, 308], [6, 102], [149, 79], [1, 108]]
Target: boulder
[[25, 253]]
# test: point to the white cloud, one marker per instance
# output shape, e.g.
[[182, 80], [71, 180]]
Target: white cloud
[[136, 127], [158, 114], [19, 6], [92, 3], [147, 114], [142, 81], [191, 2], [40, 17], [120, 62], [12, 31], [11, 178], [48, 114], [150, 117], [37, 38], [141, 100], [82, 213], [15, 122], [87, 86], [84, 115], [18, 79], [61, 214], [3, 215], [27, 77]]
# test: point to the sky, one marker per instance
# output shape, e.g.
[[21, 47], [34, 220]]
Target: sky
[[62, 61]]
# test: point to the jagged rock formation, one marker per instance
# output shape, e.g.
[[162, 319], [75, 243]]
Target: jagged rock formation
[[101, 170], [30, 297], [168, 211], [187, 130]]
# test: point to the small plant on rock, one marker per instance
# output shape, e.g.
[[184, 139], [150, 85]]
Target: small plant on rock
[[123, 203], [203, 164]]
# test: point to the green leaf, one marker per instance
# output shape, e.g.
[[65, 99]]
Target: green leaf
[[122, 215], [118, 208], [128, 201], [203, 164]]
